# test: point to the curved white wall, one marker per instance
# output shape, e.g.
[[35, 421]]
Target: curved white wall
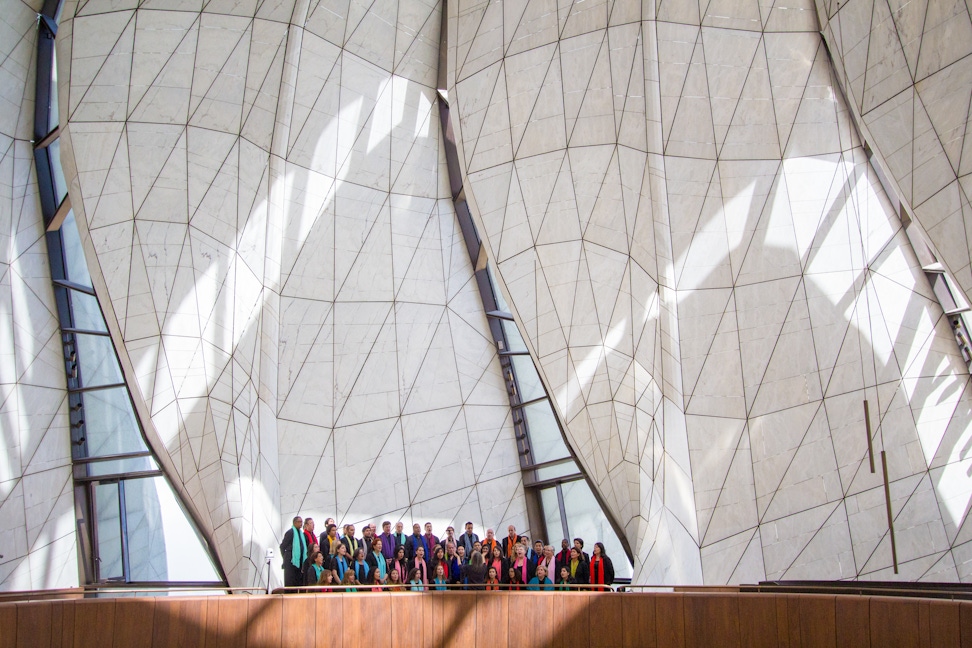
[[263, 201], [37, 532], [712, 281]]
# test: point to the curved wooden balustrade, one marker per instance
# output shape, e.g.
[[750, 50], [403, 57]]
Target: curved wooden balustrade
[[491, 620]]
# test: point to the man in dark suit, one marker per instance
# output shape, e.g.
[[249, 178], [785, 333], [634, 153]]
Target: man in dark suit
[[510, 542], [293, 550], [415, 541], [349, 541]]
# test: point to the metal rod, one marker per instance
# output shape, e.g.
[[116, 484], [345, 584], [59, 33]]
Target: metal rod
[[887, 500], [867, 426]]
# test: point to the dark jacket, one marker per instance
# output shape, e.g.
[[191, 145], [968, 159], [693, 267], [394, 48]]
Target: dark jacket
[[608, 571], [467, 542], [506, 544], [583, 575], [413, 542], [504, 569], [474, 575], [352, 548], [310, 576], [287, 547], [372, 561]]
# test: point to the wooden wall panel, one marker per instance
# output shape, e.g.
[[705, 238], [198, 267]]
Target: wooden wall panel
[[853, 620], [817, 621], [757, 621], [363, 615], [8, 621], [938, 623], [965, 624], [894, 622], [638, 614], [458, 622], [93, 619], [179, 622], [264, 619], [408, 622], [669, 621], [33, 626], [605, 620], [299, 620], [574, 614], [229, 626], [783, 621], [711, 620], [62, 624], [492, 620], [330, 619], [134, 622], [525, 609]]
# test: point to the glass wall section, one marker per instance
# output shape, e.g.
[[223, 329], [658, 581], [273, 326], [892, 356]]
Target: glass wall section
[[560, 501], [137, 530]]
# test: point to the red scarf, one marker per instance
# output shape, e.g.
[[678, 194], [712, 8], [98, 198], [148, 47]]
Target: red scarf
[[597, 570]]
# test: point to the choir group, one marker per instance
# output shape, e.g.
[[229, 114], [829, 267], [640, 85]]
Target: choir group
[[423, 561]]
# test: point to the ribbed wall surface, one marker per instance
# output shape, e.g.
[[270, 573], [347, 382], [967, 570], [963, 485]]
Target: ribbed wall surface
[[713, 281]]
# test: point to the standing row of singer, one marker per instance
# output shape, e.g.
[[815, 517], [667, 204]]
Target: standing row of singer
[[422, 561]]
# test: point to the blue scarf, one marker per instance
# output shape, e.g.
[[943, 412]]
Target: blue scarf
[[357, 574], [318, 570], [342, 566], [297, 548], [380, 561]]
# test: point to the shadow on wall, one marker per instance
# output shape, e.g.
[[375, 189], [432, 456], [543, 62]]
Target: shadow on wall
[[267, 373], [849, 317]]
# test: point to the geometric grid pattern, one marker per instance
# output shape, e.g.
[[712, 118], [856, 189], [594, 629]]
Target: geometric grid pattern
[[909, 77], [712, 280], [38, 542], [261, 190]]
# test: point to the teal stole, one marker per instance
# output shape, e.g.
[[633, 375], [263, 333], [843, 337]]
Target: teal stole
[[297, 548]]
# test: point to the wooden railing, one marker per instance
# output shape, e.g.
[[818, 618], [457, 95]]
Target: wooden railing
[[491, 619]]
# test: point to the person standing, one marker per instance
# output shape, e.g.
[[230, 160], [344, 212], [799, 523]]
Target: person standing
[[548, 561], [577, 567], [349, 541], [450, 536], [376, 560], [510, 542], [309, 532], [387, 541], [293, 550], [415, 541], [601, 568], [400, 537], [430, 539], [468, 538], [367, 538], [490, 541]]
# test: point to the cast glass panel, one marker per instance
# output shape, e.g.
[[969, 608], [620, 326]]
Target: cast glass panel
[[97, 360], [162, 544], [108, 517]]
